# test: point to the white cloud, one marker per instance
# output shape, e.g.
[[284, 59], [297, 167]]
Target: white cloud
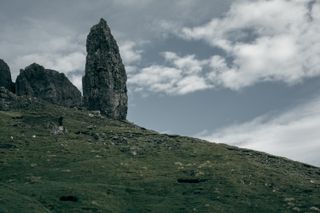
[[183, 75], [76, 80], [274, 40], [164, 28], [191, 84], [46, 43], [189, 63], [156, 78], [65, 63], [129, 52], [294, 134]]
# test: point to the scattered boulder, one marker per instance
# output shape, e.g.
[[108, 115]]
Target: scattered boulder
[[5, 76], [49, 85], [104, 83]]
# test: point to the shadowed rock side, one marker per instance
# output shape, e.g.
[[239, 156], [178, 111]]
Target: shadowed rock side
[[5, 76], [6, 98], [49, 85], [9, 101], [104, 83]]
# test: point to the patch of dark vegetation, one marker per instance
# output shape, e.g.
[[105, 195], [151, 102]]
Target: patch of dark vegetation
[[233, 148], [17, 117], [272, 157], [245, 151], [87, 209], [172, 136], [309, 166], [7, 146], [69, 198], [39, 120], [191, 180]]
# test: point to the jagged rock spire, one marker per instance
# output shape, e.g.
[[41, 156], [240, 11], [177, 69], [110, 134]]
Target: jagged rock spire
[[49, 85], [104, 83], [5, 76]]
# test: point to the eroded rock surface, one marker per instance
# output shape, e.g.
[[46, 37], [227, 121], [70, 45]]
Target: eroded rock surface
[[104, 83], [5, 76], [49, 85], [9, 101]]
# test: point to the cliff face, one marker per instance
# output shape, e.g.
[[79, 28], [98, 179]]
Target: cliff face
[[104, 83], [5, 76], [49, 85]]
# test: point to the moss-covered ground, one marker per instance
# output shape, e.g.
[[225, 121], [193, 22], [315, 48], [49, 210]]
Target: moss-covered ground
[[102, 165]]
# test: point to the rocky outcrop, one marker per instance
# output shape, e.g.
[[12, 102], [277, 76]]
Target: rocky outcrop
[[5, 76], [6, 99], [104, 83], [49, 85], [9, 101]]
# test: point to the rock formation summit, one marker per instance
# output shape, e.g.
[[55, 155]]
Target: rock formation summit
[[49, 85], [104, 83], [5, 76]]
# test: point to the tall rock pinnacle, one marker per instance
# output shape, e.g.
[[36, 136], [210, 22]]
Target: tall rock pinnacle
[[104, 83]]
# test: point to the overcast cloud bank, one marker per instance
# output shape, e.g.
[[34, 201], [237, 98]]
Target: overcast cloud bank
[[263, 40], [294, 134]]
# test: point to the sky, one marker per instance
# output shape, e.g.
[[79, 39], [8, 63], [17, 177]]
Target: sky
[[240, 72]]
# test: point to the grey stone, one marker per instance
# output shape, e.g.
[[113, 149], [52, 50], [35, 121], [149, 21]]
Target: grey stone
[[9, 101], [6, 98], [5, 76], [49, 85], [104, 83]]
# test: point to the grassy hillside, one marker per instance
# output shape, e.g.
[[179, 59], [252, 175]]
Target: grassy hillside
[[102, 165]]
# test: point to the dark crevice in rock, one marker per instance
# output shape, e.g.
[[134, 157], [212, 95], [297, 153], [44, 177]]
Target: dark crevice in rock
[[5, 76]]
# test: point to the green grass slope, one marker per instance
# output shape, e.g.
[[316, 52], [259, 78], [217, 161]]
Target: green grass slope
[[102, 165]]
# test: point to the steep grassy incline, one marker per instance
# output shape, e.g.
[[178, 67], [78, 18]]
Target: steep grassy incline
[[102, 165]]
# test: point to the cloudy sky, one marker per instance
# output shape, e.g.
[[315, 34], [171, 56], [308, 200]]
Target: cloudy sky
[[241, 72]]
